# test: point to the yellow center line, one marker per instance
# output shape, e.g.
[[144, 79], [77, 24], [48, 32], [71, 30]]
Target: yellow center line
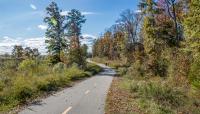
[[67, 110]]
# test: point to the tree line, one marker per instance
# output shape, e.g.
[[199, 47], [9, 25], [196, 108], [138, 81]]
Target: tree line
[[161, 39]]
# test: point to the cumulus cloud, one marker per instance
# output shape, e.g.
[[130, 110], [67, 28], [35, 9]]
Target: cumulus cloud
[[33, 6], [83, 13], [42, 27], [88, 39], [7, 43], [89, 36]]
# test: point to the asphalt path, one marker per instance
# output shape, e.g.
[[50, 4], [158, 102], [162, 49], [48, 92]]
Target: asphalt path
[[86, 97]]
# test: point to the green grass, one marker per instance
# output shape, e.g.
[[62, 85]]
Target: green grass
[[159, 97], [21, 85]]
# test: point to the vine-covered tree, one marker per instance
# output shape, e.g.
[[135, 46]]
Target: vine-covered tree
[[55, 34]]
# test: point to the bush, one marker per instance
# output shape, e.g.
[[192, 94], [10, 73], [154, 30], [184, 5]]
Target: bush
[[52, 83], [136, 85], [162, 94], [27, 64], [122, 71], [23, 88], [194, 74], [136, 70], [94, 69], [58, 67], [1, 85], [28, 67], [42, 84], [160, 67], [75, 73]]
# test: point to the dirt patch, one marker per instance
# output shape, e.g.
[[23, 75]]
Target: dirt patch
[[120, 101]]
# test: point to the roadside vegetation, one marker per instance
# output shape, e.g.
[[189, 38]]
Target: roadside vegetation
[[26, 74], [35, 78], [156, 52]]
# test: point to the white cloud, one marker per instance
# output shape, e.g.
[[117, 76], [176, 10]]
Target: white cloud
[[42, 27], [88, 39], [88, 13], [137, 11], [7, 44], [89, 36], [64, 12], [33, 6], [83, 13]]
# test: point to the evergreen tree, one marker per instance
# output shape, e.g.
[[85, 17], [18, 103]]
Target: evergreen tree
[[55, 33]]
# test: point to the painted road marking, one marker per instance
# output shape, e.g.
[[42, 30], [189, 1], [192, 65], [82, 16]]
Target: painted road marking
[[95, 84], [87, 91], [67, 110]]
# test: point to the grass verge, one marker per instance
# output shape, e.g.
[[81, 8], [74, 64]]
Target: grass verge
[[24, 86]]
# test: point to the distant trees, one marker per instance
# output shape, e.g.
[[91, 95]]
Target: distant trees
[[17, 52], [55, 34], [21, 53]]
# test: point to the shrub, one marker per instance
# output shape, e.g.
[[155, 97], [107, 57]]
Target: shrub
[[52, 83], [42, 84], [122, 71], [162, 94], [27, 64], [136, 70], [58, 67], [194, 74], [23, 88], [1, 85], [160, 67], [74, 72], [94, 69], [28, 67]]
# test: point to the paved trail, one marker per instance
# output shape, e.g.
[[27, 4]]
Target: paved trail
[[86, 97]]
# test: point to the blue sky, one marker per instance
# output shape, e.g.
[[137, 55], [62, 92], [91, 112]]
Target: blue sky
[[21, 20]]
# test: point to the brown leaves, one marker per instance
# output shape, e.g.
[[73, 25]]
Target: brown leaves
[[120, 101]]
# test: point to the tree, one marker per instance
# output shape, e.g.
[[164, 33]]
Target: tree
[[192, 27], [55, 34], [130, 22], [74, 24], [84, 48], [28, 53], [17, 52], [192, 34], [36, 52]]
